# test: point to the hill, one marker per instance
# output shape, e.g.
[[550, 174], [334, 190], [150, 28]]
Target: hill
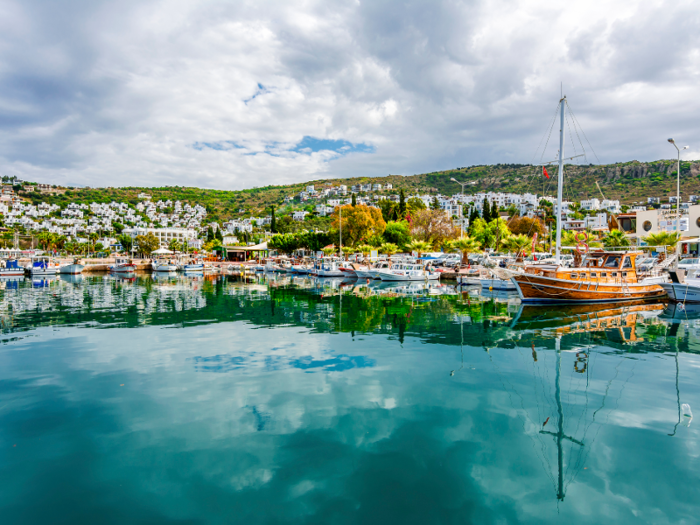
[[628, 182]]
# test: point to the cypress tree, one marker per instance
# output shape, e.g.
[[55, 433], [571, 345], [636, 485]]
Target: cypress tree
[[354, 201], [273, 221], [486, 213], [402, 204]]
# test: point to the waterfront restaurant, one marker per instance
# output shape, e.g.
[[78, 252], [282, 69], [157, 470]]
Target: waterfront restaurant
[[243, 253]]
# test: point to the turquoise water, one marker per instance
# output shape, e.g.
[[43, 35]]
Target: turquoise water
[[185, 400]]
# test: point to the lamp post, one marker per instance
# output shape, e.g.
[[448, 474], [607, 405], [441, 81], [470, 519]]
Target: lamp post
[[678, 191]]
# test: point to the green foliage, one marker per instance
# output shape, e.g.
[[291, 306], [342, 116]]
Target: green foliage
[[490, 235], [398, 232], [616, 238], [147, 244]]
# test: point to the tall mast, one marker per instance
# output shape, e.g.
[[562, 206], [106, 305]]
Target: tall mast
[[560, 178], [340, 224]]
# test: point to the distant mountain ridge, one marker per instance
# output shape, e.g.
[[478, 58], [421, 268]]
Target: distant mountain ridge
[[628, 182]]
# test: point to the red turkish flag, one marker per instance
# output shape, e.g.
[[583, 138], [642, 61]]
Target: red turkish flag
[[544, 170]]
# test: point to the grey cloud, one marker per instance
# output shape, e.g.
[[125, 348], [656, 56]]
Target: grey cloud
[[100, 93]]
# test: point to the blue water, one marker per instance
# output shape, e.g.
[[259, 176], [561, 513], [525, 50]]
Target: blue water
[[199, 401]]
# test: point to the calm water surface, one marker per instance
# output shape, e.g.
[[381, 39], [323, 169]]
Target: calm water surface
[[184, 400]]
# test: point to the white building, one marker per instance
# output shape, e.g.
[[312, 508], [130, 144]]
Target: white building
[[164, 235]]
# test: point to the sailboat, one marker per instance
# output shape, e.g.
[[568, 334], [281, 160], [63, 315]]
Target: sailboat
[[601, 277]]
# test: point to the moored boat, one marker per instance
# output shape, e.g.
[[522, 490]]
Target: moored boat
[[11, 268], [122, 265], [73, 268], [42, 265]]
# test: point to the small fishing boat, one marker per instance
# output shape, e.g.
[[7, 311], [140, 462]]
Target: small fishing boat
[[42, 265], [122, 265], [329, 268], [163, 266], [11, 268], [73, 269]]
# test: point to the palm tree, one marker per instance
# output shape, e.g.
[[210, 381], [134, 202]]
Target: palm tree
[[365, 249], [517, 243], [420, 246], [174, 245], [615, 238], [663, 239], [328, 251], [347, 250], [465, 245], [388, 248]]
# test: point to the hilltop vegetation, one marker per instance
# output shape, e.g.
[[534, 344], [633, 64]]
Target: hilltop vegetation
[[627, 181]]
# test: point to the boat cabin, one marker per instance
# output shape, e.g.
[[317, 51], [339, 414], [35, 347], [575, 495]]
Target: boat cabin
[[597, 266]]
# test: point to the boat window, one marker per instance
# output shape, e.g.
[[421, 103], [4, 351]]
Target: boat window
[[613, 261], [624, 274], [627, 263], [573, 276], [614, 274], [604, 274], [593, 274]]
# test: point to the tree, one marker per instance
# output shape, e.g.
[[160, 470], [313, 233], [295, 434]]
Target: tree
[[414, 205], [174, 245], [364, 249], [210, 234], [359, 223], [473, 216], [398, 232], [347, 250], [433, 226], [147, 244], [486, 212], [388, 248], [465, 246], [663, 239], [389, 210], [273, 220], [616, 238], [402, 205], [517, 243], [489, 235], [420, 246], [526, 225], [328, 251], [284, 242], [126, 241], [435, 204], [353, 201]]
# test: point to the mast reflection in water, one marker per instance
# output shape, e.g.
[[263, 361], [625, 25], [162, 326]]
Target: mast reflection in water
[[238, 399]]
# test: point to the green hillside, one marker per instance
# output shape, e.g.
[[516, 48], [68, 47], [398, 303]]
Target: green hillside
[[627, 181]]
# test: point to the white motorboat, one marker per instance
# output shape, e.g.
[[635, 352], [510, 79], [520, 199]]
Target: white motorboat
[[347, 268], [681, 288], [42, 265], [163, 266], [73, 269], [407, 272], [329, 269], [11, 268], [122, 265], [373, 273], [193, 267]]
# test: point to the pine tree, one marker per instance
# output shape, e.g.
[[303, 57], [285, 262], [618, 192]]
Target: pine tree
[[210, 234], [435, 205], [354, 201]]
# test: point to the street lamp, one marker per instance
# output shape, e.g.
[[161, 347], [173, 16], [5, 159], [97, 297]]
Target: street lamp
[[678, 182], [678, 190]]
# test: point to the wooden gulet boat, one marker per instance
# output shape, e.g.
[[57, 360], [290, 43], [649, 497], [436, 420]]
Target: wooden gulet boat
[[600, 277]]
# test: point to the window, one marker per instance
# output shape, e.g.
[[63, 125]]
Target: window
[[624, 274], [593, 274], [574, 276], [627, 263], [613, 261], [614, 274]]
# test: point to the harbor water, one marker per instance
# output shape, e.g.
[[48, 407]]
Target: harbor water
[[230, 399]]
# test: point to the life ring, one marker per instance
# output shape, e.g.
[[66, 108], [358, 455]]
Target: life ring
[[581, 238]]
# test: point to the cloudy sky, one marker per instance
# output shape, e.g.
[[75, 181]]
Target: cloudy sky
[[247, 93]]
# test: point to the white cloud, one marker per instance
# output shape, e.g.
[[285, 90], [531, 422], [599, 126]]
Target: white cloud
[[119, 93]]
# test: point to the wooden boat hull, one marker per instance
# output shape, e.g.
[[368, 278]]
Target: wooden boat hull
[[537, 289]]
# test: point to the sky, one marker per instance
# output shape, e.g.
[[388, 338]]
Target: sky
[[239, 94]]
